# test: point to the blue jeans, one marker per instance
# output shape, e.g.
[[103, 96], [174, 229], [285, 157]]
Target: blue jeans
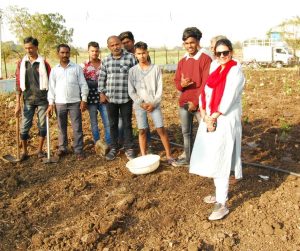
[[93, 111], [28, 113], [186, 119]]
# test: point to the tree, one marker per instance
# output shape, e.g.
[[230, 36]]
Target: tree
[[290, 32], [49, 28], [9, 49]]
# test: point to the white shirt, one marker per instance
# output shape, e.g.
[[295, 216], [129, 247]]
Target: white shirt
[[67, 85]]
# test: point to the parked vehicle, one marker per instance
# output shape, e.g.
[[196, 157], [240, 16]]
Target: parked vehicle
[[267, 52]]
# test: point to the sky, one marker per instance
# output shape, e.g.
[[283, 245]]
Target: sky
[[160, 23]]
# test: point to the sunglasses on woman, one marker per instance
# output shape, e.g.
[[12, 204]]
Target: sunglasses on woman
[[219, 53]]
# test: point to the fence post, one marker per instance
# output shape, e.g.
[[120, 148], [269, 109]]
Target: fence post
[[166, 56], [154, 56], [177, 55]]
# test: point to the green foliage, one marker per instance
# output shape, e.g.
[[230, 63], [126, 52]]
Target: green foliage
[[10, 49], [49, 28], [290, 31], [284, 125]]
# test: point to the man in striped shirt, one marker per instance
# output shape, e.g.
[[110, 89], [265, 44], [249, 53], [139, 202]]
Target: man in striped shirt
[[113, 89]]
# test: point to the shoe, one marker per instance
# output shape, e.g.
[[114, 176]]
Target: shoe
[[219, 212], [171, 161], [121, 147], [41, 155], [80, 156], [180, 163], [111, 154], [61, 153], [182, 156], [210, 199], [24, 156], [130, 154]]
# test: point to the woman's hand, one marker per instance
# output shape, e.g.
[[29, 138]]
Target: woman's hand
[[211, 123]]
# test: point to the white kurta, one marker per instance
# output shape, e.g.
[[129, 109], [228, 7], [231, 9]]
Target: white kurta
[[216, 153]]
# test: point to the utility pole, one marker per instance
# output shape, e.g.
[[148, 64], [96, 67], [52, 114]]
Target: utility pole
[[0, 44]]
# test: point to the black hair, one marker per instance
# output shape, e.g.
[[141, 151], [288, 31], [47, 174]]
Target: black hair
[[31, 40], [93, 44], [225, 42], [191, 32], [62, 46], [141, 45], [126, 34]]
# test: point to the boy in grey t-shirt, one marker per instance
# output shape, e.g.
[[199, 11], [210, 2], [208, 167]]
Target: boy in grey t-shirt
[[145, 89]]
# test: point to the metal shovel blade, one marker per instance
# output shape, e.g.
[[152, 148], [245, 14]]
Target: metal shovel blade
[[10, 158], [50, 160]]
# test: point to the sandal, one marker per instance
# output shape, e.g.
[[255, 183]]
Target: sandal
[[41, 155], [80, 156], [171, 161], [24, 156]]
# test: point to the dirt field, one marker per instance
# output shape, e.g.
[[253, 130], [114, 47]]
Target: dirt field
[[100, 205]]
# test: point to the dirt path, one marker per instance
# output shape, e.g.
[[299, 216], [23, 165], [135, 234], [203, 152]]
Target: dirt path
[[99, 205]]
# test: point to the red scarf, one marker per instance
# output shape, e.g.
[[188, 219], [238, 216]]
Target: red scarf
[[216, 80]]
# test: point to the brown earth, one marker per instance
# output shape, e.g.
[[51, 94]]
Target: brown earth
[[100, 205]]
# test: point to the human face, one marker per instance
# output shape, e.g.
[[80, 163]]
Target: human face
[[128, 45], [222, 58], [191, 45], [31, 50], [141, 55], [93, 53], [64, 55], [115, 46]]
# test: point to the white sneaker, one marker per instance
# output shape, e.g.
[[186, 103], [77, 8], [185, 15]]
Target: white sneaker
[[219, 212], [210, 199]]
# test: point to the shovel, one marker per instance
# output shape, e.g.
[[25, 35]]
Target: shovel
[[9, 157], [49, 159]]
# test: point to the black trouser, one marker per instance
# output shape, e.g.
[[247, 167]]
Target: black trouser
[[125, 110]]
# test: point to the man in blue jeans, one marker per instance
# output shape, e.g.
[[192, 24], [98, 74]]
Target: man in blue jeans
[[32, 82], [91, 70], [113, 89]]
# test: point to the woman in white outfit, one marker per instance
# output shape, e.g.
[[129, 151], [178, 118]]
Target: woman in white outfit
[[217, 148]]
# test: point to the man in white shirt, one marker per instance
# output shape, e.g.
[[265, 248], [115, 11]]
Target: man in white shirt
[[68, 90]]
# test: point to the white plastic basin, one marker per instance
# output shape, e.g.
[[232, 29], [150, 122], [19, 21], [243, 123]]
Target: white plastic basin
[[143, 164]]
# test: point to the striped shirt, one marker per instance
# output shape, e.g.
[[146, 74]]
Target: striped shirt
[[113, 78]]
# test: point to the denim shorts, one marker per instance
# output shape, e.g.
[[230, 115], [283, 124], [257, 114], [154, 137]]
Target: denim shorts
[[141, 118]]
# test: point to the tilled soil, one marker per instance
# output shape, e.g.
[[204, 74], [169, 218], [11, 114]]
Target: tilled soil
[[99, 205]]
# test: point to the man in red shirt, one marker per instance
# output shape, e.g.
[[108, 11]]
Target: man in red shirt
[[32, 76], [191, 74]]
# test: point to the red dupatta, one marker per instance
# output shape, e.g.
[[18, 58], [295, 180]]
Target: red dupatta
[[216, 80]]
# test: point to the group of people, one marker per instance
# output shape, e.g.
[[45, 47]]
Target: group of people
[[209, 85]]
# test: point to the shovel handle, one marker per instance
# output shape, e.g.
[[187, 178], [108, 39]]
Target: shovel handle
[[48, 138], [18, 136]]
